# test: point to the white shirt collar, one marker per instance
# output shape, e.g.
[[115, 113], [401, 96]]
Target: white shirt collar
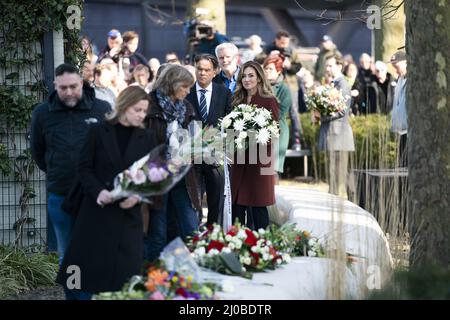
[[208, 88]]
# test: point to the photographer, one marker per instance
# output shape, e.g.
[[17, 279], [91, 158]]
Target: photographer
[[113, 46], [130, 45], [207, 37], [127, 58]]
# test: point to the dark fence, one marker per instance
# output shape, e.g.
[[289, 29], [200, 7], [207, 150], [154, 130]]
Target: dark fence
[[23, 212]]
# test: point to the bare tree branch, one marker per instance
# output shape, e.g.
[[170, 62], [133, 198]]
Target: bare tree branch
[[388, 11]]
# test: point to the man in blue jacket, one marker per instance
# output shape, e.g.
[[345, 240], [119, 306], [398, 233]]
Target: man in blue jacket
[[58, 129]]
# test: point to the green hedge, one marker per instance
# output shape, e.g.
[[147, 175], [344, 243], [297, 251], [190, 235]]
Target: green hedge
[[376, 146]]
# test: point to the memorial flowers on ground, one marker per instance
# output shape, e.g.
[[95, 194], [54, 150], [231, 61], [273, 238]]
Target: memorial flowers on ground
[[174, 276], [161, 284], [241, 250]]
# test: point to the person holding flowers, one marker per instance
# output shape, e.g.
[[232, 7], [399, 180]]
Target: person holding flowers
[[177, 212], [106, 245], [336, 135], [253, 184]]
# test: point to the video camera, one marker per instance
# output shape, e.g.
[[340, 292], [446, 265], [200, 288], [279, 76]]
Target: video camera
[[196, 31], [122, 53]]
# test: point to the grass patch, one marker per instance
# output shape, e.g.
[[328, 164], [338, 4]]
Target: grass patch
[[22, 271]]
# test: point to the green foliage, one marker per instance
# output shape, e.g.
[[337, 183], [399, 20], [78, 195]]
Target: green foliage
[[375, 144], [16, 107], [21, 271], [5, 162], [426, 283], [25, 22], [23, 26]]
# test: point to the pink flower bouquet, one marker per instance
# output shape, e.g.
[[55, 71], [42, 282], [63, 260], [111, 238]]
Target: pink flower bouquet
[[154, 174]]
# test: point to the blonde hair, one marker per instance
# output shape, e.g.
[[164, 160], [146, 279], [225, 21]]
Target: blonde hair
[[264, 87], [172, 78], [126, 98]]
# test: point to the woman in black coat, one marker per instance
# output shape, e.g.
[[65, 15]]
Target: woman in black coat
[[107, 245]]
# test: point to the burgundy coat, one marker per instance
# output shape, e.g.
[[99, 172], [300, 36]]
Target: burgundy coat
[[248, 186]]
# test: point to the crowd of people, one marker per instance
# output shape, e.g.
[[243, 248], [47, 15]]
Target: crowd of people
[[120, 106]]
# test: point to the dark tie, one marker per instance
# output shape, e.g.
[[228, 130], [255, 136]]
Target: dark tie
[[203, 109]]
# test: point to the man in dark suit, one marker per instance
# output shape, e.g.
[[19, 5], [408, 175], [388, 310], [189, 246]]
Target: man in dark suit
[[211, 102]]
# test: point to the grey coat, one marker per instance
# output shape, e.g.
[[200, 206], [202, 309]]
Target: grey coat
[[335, 131]]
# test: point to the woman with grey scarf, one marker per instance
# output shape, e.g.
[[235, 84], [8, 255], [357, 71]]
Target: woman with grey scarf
[[177, 212]]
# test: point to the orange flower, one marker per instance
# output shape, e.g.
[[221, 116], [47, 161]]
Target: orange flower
[[150, 285], [156, 277]]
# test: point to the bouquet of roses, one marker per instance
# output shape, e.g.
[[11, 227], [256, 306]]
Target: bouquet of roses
[[326, 100], [236, 252], [154, 174], [246, 121]]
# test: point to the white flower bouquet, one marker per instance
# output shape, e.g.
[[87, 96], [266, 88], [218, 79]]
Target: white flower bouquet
[[246, 121]]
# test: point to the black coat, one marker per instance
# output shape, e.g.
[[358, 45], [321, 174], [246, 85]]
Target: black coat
[[57, 134], [106, 243], [220, 104]]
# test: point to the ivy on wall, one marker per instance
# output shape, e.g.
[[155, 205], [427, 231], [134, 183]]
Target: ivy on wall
[[24, 25], [22, 30]]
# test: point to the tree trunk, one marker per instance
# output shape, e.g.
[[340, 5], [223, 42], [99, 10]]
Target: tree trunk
[[428, 98], [216, 12]]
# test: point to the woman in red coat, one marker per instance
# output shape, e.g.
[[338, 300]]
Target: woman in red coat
[[252, 187]]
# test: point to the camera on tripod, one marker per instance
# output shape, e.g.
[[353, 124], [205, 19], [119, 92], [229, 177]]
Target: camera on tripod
[[197, 31]]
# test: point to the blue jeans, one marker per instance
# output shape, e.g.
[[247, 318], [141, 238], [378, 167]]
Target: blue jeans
[[77, 294], [62, 223], [176, 214], [52, 245]]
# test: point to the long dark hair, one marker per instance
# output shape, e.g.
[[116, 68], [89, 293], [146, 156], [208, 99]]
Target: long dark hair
[[264, 87]]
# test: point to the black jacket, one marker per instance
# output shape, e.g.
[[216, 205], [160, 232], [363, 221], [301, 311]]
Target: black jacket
[[106, 242], [57, 134], [220, 104]]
